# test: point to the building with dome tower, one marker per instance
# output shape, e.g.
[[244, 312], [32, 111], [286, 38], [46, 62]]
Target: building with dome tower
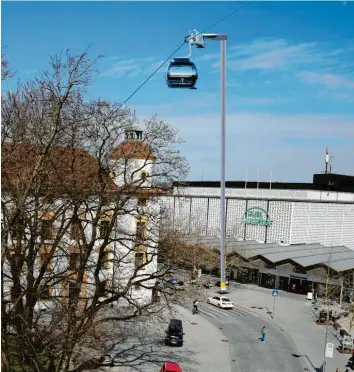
[[128, 208]]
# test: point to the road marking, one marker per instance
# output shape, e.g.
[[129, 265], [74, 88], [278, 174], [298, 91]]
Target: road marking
[[240, 311], [215, 312]]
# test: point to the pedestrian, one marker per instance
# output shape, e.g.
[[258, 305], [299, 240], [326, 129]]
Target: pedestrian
[[263, 332], [195, 306], [337, 370]]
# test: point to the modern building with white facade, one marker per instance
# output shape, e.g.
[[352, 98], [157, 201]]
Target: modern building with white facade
[[287, 213]]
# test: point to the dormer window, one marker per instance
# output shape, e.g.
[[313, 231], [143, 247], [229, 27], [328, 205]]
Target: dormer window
[[142, 201], [144, 176]]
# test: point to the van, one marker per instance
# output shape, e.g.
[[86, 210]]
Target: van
[[174, 333]]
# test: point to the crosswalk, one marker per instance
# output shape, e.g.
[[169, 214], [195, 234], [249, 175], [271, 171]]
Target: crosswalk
[[215, 312]]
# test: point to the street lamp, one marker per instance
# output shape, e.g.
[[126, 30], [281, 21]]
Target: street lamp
[[222, 38]]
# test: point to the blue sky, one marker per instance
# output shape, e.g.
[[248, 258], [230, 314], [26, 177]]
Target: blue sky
[[290, 75]]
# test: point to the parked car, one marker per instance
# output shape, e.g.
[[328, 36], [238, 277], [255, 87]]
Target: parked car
[[221, 301], [175, 284], [170, 367], [174, 333]]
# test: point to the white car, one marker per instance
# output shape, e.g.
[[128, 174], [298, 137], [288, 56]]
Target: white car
[[221, 301]]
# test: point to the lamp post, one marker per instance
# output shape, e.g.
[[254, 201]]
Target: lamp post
[[222, 38], [223, 140], [198, 40]]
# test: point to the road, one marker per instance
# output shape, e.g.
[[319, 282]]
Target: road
[[248, 354], [293, 314], [144, 350]]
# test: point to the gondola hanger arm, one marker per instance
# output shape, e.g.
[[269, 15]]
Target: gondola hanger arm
[[215, 36], [196, 38]]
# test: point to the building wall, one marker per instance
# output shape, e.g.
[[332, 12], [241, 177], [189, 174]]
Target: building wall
[[128, 171], [122, 243], [269, 193], [329, 224], [293, 221]]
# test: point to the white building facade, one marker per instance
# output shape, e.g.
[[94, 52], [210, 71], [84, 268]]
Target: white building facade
[[283, 216], [132, 242]]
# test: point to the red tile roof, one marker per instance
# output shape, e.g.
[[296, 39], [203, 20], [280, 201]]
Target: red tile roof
[[133, 150], [67, 170]]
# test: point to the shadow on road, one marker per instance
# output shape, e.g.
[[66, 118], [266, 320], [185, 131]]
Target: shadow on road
[[147, 352], [308, 359]]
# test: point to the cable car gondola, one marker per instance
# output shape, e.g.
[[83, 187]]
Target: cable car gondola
[[181, 73]]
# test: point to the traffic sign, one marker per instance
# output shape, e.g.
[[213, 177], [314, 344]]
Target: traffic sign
[[275, 292], [329, 350]]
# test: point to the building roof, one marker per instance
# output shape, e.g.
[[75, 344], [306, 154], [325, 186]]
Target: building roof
[[65, 171], [338, 258], [342, 265], [321, 182], [299, 252], [132, 149]]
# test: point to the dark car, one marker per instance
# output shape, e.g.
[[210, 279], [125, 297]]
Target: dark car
[[174, 333]]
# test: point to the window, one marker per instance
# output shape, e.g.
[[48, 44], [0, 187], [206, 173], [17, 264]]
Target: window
[[140, 231], [142, 202], [139, 260], [15, 292], [102, 288], [137, 286], [104, 228], [18, 229], [44, 292], [74, 261], [45, 181], [46, 229], [76, 230], [73, 289], [44, 251]]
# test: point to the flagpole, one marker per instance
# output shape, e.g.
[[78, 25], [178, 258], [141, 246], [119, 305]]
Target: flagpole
[[270, 182], [246, 180], [258, 180]]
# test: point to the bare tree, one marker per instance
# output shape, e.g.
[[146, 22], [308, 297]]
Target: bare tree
[[6, 72], [175, 250], [80, 218]]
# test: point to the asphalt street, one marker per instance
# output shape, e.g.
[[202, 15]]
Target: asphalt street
[[144, 350], [248, 354]]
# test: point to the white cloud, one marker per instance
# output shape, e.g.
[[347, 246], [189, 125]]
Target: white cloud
[[258, 100], [133, 67], [331, 81], [344, 97], [267, 54]]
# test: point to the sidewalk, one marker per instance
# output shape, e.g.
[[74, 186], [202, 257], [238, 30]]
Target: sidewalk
[[294, 315], [203, 349]]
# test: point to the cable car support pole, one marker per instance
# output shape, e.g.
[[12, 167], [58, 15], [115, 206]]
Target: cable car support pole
[[222, 38], [223, 140]]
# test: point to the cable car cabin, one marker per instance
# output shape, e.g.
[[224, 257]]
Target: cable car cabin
[[181, 73]]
